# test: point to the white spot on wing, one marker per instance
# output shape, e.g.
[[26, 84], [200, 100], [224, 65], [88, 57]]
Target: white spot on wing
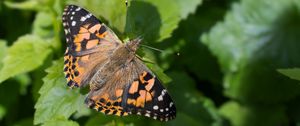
[[77, 9], [147, 115], [73, 23], [161, 110], [163, 92], [155, 107], [171, 104], [154, 117], [82, 19], [160, 98], [71, 17]]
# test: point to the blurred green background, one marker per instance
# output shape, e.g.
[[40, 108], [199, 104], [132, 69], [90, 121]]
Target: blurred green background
[[224, 62]]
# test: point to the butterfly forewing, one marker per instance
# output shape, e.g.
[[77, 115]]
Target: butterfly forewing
[[85, 36]]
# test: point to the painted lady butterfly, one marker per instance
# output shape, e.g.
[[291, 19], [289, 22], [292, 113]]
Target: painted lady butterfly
[[120, 84]]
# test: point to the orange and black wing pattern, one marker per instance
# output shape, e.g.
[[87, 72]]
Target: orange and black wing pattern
[[146, 96], [85, 36], [142, 95]]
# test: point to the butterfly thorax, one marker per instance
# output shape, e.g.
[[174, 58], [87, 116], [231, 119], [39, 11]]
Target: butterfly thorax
[[119, 59], [133, 44]]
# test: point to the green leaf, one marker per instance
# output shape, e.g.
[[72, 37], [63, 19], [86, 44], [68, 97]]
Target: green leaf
[[154, 20], [255, 39], [60, 122], [42, 25], [56, 100], [259, 115], [187, 8], [26, 54], [293, 73], [26, 5]]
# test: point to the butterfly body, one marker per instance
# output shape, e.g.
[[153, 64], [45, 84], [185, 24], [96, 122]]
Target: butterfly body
[[120, 59], [120, 84]]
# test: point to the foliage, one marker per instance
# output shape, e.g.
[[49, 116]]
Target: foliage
[[225, 62]]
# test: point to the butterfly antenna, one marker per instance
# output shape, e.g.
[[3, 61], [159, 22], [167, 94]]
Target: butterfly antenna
[[156, 49]]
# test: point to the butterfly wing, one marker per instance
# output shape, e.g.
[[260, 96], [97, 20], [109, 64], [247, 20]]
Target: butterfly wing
[[133, 90], [86, 38]]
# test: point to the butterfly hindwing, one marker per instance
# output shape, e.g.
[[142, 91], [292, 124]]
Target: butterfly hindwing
[[146, 96], [85, 36], [141, 94]]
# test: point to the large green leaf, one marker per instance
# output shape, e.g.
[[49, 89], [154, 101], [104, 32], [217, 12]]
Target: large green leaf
[[154, 20], [56, 99], [26, 54], [255, 39], [292, 73]]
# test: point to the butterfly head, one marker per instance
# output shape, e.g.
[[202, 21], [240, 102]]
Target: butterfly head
[[133, 45]]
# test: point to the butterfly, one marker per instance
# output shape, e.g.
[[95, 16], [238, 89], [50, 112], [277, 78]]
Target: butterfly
[[120, 84]]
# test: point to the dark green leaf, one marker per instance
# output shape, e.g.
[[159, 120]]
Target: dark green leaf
[[256, 38], [193, 108], [292, 73]]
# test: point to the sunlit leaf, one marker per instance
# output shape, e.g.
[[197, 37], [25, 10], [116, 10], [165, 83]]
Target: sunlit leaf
[[42, 25], [60, 122], [26, 54], [26, 5], [56, 99]]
